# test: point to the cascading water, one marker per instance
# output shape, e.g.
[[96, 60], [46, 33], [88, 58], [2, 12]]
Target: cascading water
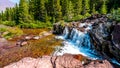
[[65, 32], [78, 42]]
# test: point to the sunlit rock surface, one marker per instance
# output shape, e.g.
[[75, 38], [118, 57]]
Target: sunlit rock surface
[[65, 61]]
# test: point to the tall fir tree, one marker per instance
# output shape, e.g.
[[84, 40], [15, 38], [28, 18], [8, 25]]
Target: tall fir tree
[[54, 10], [70, 11], [32, 8], [93, 9], [57, 10], [16, 16], [64, 5], [104, 8], [0, 18], [86, 6], [24, 16], [78, 7], [42, 9], [8, 14]]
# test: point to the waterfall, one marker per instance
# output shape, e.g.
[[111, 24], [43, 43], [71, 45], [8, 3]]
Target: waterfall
[[65, 32], [78, 43]]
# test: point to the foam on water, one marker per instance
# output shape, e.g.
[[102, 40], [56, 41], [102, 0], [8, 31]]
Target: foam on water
[[79, 43]]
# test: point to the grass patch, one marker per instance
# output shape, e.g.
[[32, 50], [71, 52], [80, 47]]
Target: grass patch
[[10, 32]]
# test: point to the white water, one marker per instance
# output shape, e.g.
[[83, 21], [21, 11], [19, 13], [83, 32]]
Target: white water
[[79, 43]]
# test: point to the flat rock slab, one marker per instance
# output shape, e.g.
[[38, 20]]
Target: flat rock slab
[[65, 61]]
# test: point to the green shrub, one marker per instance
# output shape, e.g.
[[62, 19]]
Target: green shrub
[[9, 32], [86, 15], [3, 29], [67, 19], [115, 14], [9, 23], [35, 24], [78, 17]]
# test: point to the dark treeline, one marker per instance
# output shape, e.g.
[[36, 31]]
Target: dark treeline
[[29, 11]]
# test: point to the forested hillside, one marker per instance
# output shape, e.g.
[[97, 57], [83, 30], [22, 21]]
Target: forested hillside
[[35, 13]]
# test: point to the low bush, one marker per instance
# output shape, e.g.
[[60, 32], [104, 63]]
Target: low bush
[[115, 14], [8, 23], [9, 32], [35, 24], [78, 17]]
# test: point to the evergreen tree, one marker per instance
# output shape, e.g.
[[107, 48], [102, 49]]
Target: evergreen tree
[[86, 6], [12, 12], [93, 9], [7, 14], [32, 8], [64, 5], [16, 16], [78, 7], [54, 10], [57, 10], [24, 16], [3, 16], [0, 18], [104, 8], [70, 11], [42, 9]]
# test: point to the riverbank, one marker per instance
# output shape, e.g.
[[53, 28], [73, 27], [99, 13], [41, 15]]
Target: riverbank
[[44, 45]]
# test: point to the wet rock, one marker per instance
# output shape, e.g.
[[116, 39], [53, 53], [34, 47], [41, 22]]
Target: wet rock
[[58, 28], [106, 38], [116, 36], [97, 64], [21, 43], [36, 37], [28, 37]]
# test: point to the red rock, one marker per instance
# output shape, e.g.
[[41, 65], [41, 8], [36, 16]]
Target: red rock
[[65, 61], [97, 64]]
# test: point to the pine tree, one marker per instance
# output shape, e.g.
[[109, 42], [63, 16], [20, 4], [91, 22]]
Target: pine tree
[[16, 16], [42, 10], [86, 6], [32, 8], [104, 8], [57, 10], [70, 10], [64, 4], [78, 7], [3, 16], [93, 9], [54, 10], [0, 18], [24, 16], [7, 14]]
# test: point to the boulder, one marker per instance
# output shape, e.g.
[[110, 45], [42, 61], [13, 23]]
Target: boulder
[[65, 61], [57, 28], [116, 36]]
